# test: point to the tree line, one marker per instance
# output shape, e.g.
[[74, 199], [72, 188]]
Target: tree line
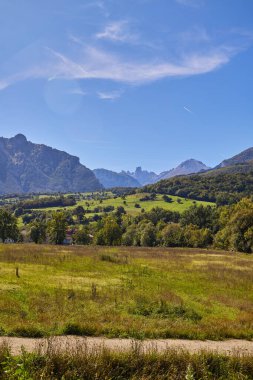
[[46, 202], [227, 227]]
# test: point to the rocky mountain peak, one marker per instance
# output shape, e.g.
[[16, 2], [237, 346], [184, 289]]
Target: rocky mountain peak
[[26, 167]]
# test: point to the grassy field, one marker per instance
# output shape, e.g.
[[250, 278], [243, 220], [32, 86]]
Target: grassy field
[[177, 204], [125, 292], [131, 200]]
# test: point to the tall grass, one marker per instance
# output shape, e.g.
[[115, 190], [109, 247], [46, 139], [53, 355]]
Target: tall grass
[[90, 364]]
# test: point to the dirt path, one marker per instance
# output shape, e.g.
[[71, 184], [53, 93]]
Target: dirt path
[[71, 343]]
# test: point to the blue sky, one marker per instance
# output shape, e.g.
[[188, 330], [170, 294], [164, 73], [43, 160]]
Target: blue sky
[[123, 83]]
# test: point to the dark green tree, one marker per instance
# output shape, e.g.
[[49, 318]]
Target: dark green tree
[[148, 235], [167, 199], [79, 212], [201, 216], [129, 236], [57, 226], [172, 235], [158, 214], [110, 233], [8, 226], [82, 236], [237, 231], [197, 237], [38, 231]]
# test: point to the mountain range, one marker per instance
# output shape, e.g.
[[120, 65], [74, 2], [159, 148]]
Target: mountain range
[[34, 168], [26, 167], [242, 162], [110, 179], [144, 177], [227, 183]]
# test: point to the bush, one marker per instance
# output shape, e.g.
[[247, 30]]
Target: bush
[[172, 235]]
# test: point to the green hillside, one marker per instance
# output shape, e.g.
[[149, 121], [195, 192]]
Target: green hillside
[[223, 185], [133, 204]]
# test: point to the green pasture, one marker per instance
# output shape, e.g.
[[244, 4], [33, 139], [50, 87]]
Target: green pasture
[[129, 202], [125, 292]]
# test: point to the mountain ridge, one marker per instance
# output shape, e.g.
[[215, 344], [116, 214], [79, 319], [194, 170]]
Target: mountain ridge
[[190, 166], [240, 158], [26, 167], [109, 179], [144, 177]]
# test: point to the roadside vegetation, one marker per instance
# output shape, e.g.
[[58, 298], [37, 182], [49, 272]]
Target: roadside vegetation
[[135, 364], [125, 292]]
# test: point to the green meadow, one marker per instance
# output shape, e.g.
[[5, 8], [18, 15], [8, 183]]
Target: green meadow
[[129, 201], [125, 292]]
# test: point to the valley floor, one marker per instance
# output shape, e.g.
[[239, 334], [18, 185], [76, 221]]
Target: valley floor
[[125, 292]]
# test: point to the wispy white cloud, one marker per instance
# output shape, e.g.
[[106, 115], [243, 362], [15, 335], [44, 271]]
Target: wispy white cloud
[[112, 95], [4, 84], [117, 31], [99, 64], [75, 39], [90, 62]]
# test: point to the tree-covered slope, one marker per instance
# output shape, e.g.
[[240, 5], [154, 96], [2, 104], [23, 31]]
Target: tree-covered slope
[[222, 185]]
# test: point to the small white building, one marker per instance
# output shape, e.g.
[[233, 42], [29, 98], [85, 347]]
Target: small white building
[[7, 241]]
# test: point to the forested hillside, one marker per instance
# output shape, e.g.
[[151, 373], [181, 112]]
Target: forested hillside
[[223, 186]]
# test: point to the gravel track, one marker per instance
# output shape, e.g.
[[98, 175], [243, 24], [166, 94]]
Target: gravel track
[[68, 343]]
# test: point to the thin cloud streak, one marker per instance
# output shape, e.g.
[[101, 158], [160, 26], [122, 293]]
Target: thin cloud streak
[[4, 85], [109, 95], [117, 31], [97, 4], [188, 109]]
